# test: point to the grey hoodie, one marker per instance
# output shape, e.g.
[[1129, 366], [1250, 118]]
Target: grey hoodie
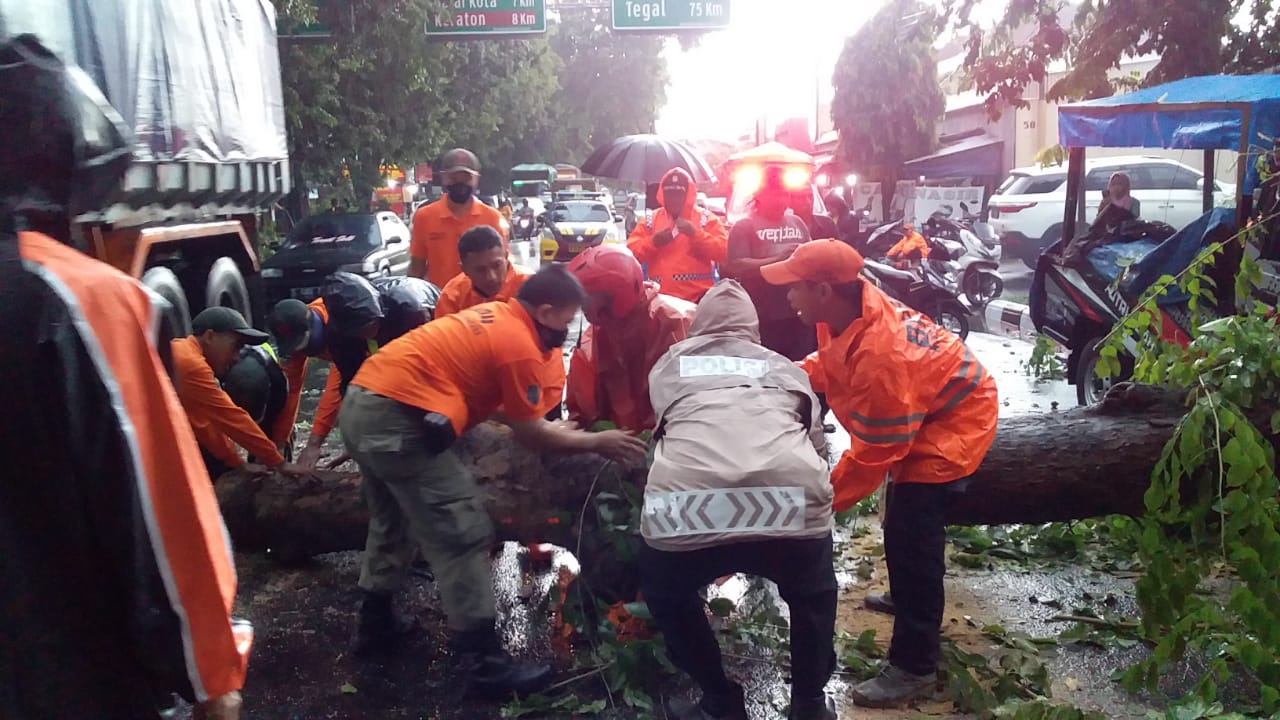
[[741, 452]]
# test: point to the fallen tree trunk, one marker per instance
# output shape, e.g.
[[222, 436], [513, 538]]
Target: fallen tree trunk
[[1042, 468]]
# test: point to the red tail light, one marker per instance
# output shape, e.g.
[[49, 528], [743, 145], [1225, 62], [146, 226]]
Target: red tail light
[[1010, 209]]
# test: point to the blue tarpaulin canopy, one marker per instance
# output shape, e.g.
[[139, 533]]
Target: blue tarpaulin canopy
[[1215, 112]]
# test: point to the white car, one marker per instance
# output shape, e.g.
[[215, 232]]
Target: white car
[[1027, 209]]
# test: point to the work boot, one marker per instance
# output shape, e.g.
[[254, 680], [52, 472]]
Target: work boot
[[892, 688], [492, 672], [730, 705], [379, 629], [879, 602], [817, 708]]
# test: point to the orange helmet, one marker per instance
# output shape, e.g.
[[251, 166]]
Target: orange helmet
[[613, 270]]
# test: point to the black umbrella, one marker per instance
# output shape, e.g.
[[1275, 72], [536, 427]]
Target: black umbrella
[[646, 158]]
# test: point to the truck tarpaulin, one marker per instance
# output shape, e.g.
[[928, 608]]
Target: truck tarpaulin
[[196, 81]]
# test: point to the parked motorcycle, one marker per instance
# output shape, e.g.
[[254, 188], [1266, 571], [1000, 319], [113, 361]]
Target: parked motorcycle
[[930, 287], [980, 263]]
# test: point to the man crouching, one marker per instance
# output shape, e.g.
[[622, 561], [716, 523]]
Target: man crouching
[[739, 483]]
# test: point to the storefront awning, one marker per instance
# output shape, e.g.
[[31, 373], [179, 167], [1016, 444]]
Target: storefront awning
[[972, 157]]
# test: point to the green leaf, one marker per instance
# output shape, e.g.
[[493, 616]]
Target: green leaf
[[349, 689], [638, 610]]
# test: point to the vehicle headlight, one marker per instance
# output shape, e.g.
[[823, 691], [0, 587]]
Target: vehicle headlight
[[269, 273]]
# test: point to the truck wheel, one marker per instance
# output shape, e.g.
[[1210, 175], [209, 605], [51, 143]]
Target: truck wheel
[[226, 287], [176, 321]]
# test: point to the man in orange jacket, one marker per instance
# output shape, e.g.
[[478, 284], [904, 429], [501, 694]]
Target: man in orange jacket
[[919, 408], [487, 273], [437, 226], [117, 581], [218, 423], [679, 244], [632, 325], [300, 331]]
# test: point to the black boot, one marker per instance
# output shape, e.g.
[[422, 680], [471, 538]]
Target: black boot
[[379, 629], [494, 673], [815, 708]]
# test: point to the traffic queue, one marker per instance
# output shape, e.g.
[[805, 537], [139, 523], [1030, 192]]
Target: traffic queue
[[729, 345]]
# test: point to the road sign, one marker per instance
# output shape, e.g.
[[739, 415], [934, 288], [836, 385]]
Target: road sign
[[488, 18], [670, 14]]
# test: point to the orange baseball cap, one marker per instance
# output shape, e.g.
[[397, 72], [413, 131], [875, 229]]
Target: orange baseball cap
[[828, 261]]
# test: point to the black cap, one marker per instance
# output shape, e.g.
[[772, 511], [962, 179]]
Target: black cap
[[224, 319], [460, 160], [289, 322]]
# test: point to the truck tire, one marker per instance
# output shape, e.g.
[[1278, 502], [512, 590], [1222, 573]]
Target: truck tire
[[176, 321], [226, 287]]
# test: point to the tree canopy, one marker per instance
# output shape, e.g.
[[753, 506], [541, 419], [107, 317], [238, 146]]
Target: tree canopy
[[379, 90], [887, 97], [1198, 37]]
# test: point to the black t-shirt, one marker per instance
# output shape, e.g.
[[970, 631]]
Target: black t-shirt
[[758, 238]]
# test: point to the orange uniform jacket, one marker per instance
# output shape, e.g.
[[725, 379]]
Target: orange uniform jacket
[[685, 267], [215, 419], [119, 582], [460, 294], [911, 241], [465, 366], [609, 372], [915, 400], [436, 232], [295, 370]]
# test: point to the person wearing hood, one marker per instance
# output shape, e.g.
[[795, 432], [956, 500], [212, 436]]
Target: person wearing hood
[[679, 243], [350, 320], [402, 413], [920, 410], [767, 234], [632, 325], [738, 428], [437, 226]]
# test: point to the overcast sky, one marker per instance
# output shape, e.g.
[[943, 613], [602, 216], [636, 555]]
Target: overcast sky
[[773, 58]]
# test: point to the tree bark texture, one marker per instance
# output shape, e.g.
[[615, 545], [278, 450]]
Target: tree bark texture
[[1065, 466]]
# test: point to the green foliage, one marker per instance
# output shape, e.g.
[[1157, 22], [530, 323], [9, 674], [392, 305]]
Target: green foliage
[[880, 130], [1012, 682], [1211, 508], [1199, 39], [379, 90], [1043, 363], [1103, 543]]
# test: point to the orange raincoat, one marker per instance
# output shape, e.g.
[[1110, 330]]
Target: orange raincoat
[[685, 267], [911, 242], [295, 370], [915, 400], [609, 370]]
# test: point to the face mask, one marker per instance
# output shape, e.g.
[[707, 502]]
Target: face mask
[[551, 339], [459, 193]]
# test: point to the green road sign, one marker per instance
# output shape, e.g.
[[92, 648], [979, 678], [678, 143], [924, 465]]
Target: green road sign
[[670, 14], [489, 18]]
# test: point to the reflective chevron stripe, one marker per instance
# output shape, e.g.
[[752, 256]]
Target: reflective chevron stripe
[[734, 510]]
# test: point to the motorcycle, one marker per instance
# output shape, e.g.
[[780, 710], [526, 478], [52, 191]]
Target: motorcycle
[[980, 264], [931, 287], [525, 228]]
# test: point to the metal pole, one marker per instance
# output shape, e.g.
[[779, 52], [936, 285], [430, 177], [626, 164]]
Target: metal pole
[[1210, 173], [1075, 186]]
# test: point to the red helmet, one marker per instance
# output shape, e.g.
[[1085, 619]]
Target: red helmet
[[613, 270]]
